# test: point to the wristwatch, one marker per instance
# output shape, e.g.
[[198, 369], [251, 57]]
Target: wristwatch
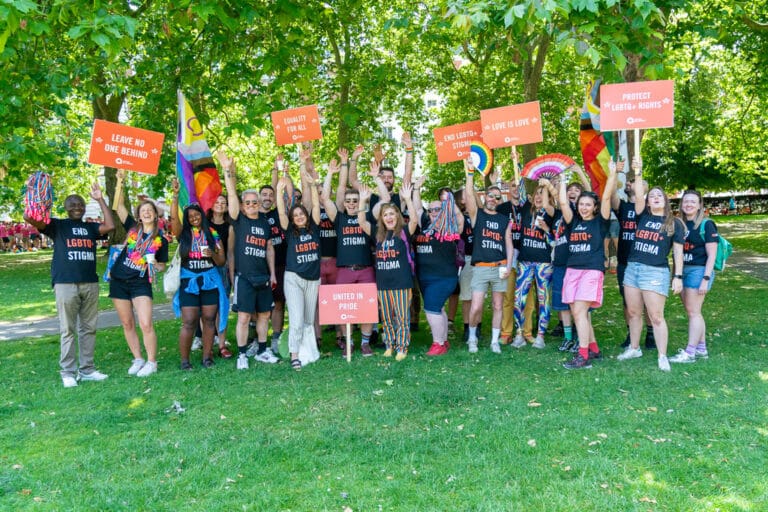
[[707, 278]]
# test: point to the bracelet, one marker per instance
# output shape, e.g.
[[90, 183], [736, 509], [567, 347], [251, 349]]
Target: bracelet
[[345, 165], [707, 278], [409, 150], [678, 276]]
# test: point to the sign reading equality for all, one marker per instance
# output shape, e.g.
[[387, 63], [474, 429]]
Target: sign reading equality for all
[[297, 125], [344, 304], [453, 142], [637, 105], [514, 125], [125, 147]]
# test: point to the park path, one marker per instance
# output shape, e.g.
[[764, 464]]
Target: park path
[[750, 263]]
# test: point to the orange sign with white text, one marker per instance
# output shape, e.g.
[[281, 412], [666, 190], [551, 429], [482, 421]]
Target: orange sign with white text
[[297, 125], [637, 105], [125, 147], [348, 304], [513, 125], [452, 142]]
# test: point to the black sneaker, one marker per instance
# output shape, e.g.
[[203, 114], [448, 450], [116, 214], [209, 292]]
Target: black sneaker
[[595, 356], [566, 345], [575, 347], [208, 363], [626, 341], [650, 342], [577, 363], [558, 331]]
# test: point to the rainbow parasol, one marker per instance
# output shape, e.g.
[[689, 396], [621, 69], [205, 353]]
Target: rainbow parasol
[[481, 157], [547, 166]]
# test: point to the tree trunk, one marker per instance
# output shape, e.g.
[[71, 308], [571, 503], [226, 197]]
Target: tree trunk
[[532, 70], [108, 109]]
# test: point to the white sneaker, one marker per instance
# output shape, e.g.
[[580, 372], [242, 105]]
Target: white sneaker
[[197, 343], [69, 382], [275, 347], [95, 375], [242, 362], [702, 354], [630, 353], [266, 357], [495, 347], [252, 348], [539, 343], [519, 341], [664, 364], [148, 369], [472, 346], [682, 357], [136, 366]]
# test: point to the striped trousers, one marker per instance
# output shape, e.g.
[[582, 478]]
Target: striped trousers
[[395, 307]]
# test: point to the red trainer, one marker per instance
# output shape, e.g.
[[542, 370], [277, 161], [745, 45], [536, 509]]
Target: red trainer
[[437, 349]]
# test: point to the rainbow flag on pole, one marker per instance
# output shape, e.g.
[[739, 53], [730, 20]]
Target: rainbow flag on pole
[[197, 173], [596, 147]]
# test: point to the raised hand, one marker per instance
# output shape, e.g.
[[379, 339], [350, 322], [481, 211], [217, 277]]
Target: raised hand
[[96, 194], [225, 161], [407, 141], [378, 153], [375, 169], [333, 166], [343, 154], [357, 152]]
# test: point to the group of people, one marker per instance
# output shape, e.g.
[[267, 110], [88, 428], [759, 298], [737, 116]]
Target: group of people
[[17, 237], [271, 248]]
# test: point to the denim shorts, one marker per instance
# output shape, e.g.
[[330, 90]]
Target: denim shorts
[[436, 291], [558, 275], [692, 276], [647, 278]]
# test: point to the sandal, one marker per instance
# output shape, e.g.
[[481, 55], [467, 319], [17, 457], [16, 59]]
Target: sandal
[[208, 363], [186, 366], [225, 353], [296, 364]]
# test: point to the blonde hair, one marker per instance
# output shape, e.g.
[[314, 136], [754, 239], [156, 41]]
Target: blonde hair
[[381, 229], [699, 217]]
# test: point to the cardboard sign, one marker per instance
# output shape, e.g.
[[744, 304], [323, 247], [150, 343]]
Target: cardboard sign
[[452, 142], [514, 125], [637, 105], [297, 125], [125, 147], [348, 304]]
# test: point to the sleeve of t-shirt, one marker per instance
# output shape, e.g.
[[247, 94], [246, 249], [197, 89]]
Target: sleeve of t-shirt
[[162, 253], [710, 232], [679, 236], [50, 228], [129, 222]]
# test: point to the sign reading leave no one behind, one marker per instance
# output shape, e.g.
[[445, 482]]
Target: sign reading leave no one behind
[[297, 125], [125, 147], [637, 105]]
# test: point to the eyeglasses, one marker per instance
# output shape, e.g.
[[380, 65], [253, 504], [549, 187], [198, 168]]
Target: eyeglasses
[[351, 200], [436, 209], [249, 203], [493, 196]]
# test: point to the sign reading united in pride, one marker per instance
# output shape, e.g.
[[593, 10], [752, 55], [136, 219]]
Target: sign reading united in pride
[[125, 147], [297, 125], [341, 304], [453, 142], [512, 126], [637, 105]]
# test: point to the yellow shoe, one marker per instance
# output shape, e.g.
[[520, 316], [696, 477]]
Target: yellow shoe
[[388, 352], [401, 355], [505, 339]]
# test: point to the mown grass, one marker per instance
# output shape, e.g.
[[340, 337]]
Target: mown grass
[[460, 432], [746, 232]]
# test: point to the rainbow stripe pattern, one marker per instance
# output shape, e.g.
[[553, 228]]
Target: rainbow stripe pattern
[[596, 147]]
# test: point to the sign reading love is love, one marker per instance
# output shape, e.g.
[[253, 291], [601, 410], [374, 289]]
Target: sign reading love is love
[[513, 125]]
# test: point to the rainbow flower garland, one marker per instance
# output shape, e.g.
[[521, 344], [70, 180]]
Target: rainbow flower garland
[[198, 240], [135, 250]]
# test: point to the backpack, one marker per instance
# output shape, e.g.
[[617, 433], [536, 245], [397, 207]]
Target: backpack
[[724, 247]]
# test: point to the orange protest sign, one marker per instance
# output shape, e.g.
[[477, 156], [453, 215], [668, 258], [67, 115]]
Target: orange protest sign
[[297, 125], [453, 142], [637, 105], [125, 147], [345, 304], [513, 125]]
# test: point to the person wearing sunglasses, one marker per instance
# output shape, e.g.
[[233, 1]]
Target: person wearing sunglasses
[[254, 262], [492, 257]]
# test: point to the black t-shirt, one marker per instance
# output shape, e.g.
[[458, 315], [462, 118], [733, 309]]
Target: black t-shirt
[[514, 213], [468, 236], [627, 226], [353, 245], [194, 261], [223, 231], [303, 252], [694, 249], [534, 243], [74, 250], [560, 234], [652, 244], [585, 243], [251, 239], [434, 258], [126, 268], [327, 235], [489, 231], [277, 236], [393, 269]]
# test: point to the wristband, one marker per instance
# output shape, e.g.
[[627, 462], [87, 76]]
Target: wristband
[[678, 276], [409, 150], [707, 278]]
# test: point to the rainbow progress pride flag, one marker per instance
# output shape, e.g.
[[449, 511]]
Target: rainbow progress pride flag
[[197, 173], [596, 147]]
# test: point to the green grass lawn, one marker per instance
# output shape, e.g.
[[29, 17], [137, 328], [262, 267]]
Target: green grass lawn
[[462, 432], [746, 232]]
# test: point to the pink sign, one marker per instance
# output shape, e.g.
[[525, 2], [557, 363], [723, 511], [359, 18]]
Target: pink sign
[[637, 105], [348, 304], [513, 125]]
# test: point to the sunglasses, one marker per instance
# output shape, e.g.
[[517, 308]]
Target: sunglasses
[[436, 209], [351, 200], [493, 196], [249, 203]]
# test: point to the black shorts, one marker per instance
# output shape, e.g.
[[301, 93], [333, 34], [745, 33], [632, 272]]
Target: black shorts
[[205, 298], [250, 298], [129, 289], [278, 294]]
